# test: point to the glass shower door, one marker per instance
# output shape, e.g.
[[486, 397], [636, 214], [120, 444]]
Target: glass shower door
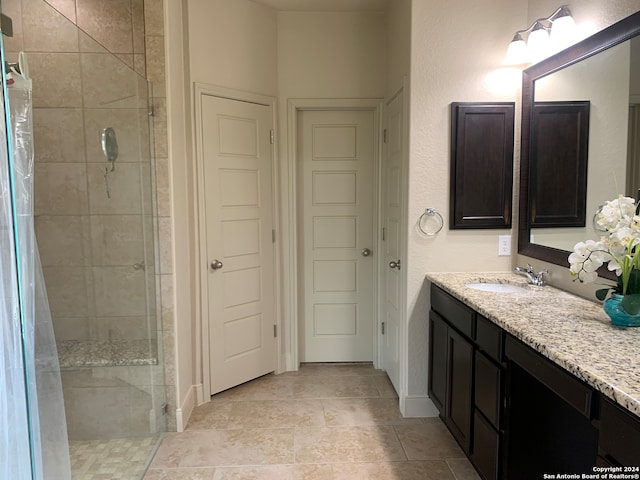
[[34, 435]]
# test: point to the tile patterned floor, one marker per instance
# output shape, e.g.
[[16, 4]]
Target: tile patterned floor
[[116, 459], [329, 422]]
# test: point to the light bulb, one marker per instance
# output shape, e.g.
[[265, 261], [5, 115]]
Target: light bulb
[[563, 33], [538, 43], [516, 52]]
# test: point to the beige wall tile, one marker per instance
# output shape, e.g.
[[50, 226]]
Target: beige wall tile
[[70, 291], [154, 17], [140, 406], [160, 127], [169, 356], [109, 83], [56, 79], [132, 137], [120, 328], [166, 286], [65, 7], [63, 240], [82, 405], [117, 240], [140, 64], [71, 328], [60, 189], [46, 30], [166, 245], [108, 21], [126, 58], [58, 135], [13, 9], [89, 45], [119, 291], [138, 24], [163, 187], [155, 63], [125, 188]]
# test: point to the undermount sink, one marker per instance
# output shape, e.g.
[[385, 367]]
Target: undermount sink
[[497, 287]]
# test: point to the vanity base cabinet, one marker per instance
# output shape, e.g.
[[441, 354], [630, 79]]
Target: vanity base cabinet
[[451, 378], [459, 406], [619, 441], [486, 448]]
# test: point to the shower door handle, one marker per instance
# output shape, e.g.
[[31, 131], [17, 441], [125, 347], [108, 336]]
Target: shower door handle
[[216, 265]]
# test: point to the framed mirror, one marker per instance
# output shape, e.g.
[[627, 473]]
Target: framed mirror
[[603, 70]]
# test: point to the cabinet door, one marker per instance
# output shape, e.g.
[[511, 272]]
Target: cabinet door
[[460, 398], [486, 445], [437, 361]]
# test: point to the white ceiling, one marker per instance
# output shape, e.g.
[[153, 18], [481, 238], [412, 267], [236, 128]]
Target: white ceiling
[[326, 5]]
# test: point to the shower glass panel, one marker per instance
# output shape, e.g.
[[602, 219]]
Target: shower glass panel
[[95, 219]]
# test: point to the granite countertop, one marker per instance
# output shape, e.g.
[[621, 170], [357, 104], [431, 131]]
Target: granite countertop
[[573, 332]]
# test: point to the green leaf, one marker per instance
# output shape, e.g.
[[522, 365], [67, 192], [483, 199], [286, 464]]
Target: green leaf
[[602, 293], [631, 303]]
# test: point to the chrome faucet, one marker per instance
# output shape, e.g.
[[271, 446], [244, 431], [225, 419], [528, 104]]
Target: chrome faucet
[[533, 278]]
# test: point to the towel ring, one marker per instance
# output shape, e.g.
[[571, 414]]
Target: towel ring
[[430, 222]]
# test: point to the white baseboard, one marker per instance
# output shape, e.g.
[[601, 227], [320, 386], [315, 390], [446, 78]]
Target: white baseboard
[[186, 409], [417, 406], [200, 394]]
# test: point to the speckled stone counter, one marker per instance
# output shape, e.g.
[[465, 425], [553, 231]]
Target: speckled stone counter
[[572, 332], [93, 353]]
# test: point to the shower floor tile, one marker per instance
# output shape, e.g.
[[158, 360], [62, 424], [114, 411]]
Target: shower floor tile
[[115, 459]]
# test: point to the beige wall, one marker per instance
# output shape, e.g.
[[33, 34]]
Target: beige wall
[[398, 44], [455, 56], [232, 44]]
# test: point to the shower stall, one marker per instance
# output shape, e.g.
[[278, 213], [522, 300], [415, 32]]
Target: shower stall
[[96, 221]]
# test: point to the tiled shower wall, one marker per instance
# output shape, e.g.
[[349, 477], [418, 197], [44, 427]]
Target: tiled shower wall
[[92, 242]]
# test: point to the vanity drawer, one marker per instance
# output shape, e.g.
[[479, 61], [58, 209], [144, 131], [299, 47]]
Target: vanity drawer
[[454, 311], [576, 393], [488, 387], [490, 338]]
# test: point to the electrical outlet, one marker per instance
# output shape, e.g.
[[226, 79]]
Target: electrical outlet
[[504, 245]]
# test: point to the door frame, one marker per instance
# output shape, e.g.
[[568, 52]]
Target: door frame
[[289, 223], [202, 326]]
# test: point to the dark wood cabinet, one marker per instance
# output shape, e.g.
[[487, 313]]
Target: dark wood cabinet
[[460, 392], [515, 413], [438, 361], [619, 441], [451, 359]]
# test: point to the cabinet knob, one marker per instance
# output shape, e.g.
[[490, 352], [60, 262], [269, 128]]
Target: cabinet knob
[[395, 264]]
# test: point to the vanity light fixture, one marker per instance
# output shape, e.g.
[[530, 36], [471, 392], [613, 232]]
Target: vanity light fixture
[[545, 37]]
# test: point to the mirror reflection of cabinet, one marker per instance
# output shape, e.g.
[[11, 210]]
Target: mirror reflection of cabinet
[[559, 143], [605, 70]]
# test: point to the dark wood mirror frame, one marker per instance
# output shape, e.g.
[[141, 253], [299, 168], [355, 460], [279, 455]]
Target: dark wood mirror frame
[[617, 33]]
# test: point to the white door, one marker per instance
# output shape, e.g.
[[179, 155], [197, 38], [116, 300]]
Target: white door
[[337, 155], [237, 158], [392, 198]]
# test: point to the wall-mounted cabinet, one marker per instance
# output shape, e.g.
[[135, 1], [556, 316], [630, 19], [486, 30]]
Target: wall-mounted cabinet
[[481, 165]]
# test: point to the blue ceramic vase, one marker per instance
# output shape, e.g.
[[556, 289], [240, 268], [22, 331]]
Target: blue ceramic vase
[[613, 307]]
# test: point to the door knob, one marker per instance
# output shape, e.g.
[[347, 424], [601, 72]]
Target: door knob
[[366, 252], [395, 264], [216, 265]]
